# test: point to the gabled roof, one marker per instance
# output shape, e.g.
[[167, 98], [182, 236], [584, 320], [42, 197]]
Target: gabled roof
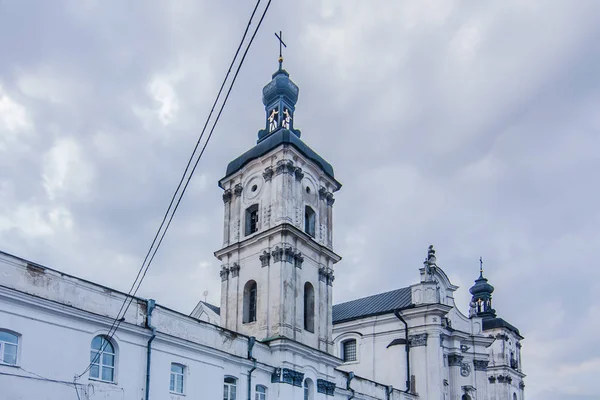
[[381, 303], [213, 308]]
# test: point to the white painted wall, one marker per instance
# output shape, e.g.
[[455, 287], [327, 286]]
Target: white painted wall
[[57, 316]]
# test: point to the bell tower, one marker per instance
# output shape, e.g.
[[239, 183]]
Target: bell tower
[[277, 257]]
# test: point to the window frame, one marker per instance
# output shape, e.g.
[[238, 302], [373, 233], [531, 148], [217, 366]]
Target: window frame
[[343, 351], [4, 344], [250, 299], [309, 307], [228, 385], [308, 389], [173, 379], [100, 361], [260, 395], [310, 221], [251, 224]]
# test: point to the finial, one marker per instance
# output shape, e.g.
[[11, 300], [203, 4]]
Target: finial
[[280, 38], [481, 267]]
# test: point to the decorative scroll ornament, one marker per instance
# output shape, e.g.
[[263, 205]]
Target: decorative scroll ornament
[[480, 365], [277, 254], [268, 173], [521, 385], [465, 369], [326, 275], [417, 340], [286, 375], [298, 174], [326, 387], [298, 259], [265, 258], [235, 270], [464, 348], [455, 360], [492, 379], [227, 196], [285, 167], [224, 273], [322, 193], [330, 199], [237, 189]]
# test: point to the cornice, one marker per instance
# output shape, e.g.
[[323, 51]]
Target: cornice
[[280, 228], [284, 344]]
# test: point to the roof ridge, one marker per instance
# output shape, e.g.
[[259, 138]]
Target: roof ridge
[[372, 295]]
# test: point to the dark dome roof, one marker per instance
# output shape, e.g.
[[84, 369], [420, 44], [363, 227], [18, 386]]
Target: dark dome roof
[[481, 287]]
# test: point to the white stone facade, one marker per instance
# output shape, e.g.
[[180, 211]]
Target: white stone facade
[[56, 317]]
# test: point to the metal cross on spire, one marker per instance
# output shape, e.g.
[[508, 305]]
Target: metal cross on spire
[[480, 266], [280, 38]]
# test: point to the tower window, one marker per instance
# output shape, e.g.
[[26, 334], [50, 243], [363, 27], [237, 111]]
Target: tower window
[[251, 219], [349, 350], [309, 221], [309, 307], [308, 389], [250, 298]]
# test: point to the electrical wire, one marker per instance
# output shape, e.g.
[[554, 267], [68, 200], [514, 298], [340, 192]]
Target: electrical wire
[[140, 276]]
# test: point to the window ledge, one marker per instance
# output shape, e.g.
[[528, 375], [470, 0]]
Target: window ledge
[[102, 381], [3, 364], [176, 394], [351, 362]]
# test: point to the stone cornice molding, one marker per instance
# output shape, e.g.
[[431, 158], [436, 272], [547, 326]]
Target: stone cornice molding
[[283, 344], [278, 229]]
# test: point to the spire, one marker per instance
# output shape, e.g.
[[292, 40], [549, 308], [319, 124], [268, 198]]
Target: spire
[[279, 97], [481, 302]]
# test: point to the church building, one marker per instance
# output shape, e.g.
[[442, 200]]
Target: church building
[[276, 333]]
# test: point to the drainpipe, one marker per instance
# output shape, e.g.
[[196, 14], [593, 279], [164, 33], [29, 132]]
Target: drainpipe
[[407, 346], [350, 377], [251, 341], [150, 304]]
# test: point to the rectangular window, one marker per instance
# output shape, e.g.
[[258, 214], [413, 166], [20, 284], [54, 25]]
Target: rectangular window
[[349, 350], [251, 219], [8, 348], [229, 387], [176, 384]]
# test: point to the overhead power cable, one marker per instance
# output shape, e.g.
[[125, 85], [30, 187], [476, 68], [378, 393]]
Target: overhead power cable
[[169, 214]]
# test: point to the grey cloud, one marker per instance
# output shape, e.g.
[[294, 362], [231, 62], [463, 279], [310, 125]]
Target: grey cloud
[[470, 127]]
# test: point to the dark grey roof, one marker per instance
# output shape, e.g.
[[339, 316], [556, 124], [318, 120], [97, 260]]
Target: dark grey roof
[[282, 136], [215, 309], [381, 303], [493, 323]]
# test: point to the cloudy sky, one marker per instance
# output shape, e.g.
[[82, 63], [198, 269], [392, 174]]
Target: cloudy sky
[[470, 125]]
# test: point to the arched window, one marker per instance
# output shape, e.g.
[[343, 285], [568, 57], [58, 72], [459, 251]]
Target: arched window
[[9, 344], [251, 219], [261, 392], [515, 396], [229, 386], [250, 298], [349, 350], [309, 221], [308, 389], [309, 307], [176, 383], [102, 359], [466, 397]]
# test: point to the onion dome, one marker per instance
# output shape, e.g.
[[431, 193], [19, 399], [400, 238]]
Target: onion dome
[[481, 302], [279, 97]]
